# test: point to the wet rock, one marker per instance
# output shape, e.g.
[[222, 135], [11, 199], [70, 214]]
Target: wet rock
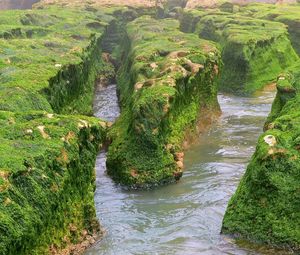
[[43, 132], [270, 140], [28, 131], [179, 156], [180, 164]]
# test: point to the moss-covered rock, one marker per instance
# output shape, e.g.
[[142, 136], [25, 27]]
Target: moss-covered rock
[[46, 180], [52, 54], [189, 20], [251, 60], [49, 60], [287, 14], [265, 207], [165, 83]]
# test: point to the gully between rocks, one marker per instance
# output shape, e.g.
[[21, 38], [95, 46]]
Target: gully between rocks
[[183, 218]]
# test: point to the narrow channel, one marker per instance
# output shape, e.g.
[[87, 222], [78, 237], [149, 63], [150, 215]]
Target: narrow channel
[[183, 218]]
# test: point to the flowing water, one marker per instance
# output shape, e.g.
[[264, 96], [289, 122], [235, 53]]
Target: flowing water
[[183, 218], [106, 104]]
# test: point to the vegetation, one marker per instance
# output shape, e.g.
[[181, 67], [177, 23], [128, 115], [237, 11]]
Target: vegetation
[[265, 207], [250, 59], [46, 181], [287, 14], [50, 58], [49, 61], [48, 54], [165, 83]]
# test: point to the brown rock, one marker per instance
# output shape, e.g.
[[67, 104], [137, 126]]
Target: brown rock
[[179, 164], [179, 156]]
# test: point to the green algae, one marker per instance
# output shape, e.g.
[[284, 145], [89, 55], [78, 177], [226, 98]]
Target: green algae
[[46, 162], [287, 14], [50, 44], [265, 207], [167, 79], [49, 60], [251, 60]]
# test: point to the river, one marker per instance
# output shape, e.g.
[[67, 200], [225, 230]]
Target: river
[[183, 218]]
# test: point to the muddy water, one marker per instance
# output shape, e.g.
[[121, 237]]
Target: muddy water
[[17, 4], [183, 218]]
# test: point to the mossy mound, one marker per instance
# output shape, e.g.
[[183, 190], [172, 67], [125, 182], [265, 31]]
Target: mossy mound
[[287, 14], [46, 180], [52, 54], [251, 59], [265, 207], [49, 60], [165, 83]]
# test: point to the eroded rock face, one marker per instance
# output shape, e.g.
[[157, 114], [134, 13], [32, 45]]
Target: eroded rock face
[[47, 160], [251, 60], [52, 169], [286, 14], [164, 86], [265, 207]]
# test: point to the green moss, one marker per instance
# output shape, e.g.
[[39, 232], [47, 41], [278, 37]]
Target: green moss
[[49, 60], [265, 207], [165, 82], [55, 46], [251, 60], [287, 14], [47, 171], [189, 20]]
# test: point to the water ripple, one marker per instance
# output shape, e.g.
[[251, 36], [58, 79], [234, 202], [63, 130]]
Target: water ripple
[[183, 218]]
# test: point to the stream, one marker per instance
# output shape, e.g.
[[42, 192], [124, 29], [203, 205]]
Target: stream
[[182, 218]]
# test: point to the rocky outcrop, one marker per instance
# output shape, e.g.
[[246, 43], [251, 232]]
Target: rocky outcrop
[[166, 82], [287, 14], [265, 208], [251, 60], [41, 73], [47, 181], [49, 66]]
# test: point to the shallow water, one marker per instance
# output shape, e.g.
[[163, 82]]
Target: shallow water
[[182, 218], [106, 104], [17, 4]]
